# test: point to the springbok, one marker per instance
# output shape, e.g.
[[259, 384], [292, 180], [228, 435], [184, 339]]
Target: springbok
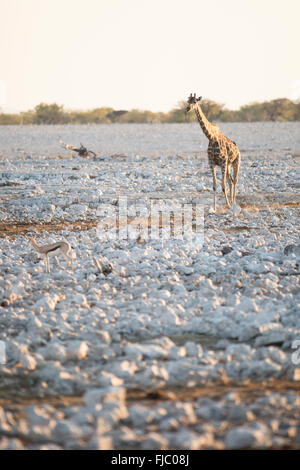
[[53, 249]]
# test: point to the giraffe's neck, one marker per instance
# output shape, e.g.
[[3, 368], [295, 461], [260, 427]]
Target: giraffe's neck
[[210, 130]]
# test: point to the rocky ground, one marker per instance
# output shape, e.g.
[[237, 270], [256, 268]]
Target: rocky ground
[[188, 343]]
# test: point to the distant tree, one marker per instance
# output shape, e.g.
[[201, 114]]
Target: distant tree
[[228, 115], [78, 117], [252, 112], [27, 117], [297, 111], [211, 109], [100, 115], [136, 115], [281, 109], [179, 114], [115, 116], [50, 114], [9, 119]]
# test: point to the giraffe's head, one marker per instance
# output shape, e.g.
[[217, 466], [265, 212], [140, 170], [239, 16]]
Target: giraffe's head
[[192, 102]]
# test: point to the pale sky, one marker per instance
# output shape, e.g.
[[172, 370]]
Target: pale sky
[[147, 54]]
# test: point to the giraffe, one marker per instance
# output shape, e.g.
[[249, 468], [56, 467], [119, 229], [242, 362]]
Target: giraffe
[[221, 152]]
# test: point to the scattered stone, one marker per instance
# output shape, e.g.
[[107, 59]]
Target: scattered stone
[[226, 249], [237, 413], [245, 437], [104, 395], [167, 315], [28, 361], [77, 350], [292, 249], [66, 431], [154, 441]]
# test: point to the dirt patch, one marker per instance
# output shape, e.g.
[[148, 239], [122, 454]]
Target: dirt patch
[[269, 200], [16, 228], [247, 390], [237, 229]]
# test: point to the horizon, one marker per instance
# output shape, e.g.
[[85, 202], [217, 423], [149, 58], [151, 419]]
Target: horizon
[[147, 56], [85, 110]]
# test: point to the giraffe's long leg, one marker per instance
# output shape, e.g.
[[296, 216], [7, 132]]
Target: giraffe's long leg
[[214, 175], [236, 167], [224, 180], [231, 184]]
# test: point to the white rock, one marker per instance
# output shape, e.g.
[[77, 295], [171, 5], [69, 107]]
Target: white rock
[[237, 413], [295, 374], [193, 349], [247, 305], [125, 369], [140, 415], [104, 395], [48, 302], [154, 441], [151, 351], [28, 361], [169, 317], [11, 444], [176, 352], [50, 371], [78, 209], [55, 351], [239, 351], [114, 411], [79, 299], [66, 430], [240, 438], [246, 437], [263, 369], [14, 350], [106, 379], [187, 439], [77, 350], [101, 442], [270, 337], [157, 373], [37, 415]]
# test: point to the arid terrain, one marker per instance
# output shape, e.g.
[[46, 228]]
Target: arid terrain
[[187, 339]]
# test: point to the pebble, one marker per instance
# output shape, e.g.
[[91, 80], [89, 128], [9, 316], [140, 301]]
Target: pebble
[[240, 438], [246, 437], [105, 395], [237, 413], [65, 431], [77, 350], [28, 362]]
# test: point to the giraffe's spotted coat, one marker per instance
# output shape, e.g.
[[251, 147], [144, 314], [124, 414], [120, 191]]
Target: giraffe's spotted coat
[[222, 152]]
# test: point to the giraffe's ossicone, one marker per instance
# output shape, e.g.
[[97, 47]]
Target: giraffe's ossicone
[[222, 152]]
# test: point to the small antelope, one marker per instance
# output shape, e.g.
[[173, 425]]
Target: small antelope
[[53, 249]]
